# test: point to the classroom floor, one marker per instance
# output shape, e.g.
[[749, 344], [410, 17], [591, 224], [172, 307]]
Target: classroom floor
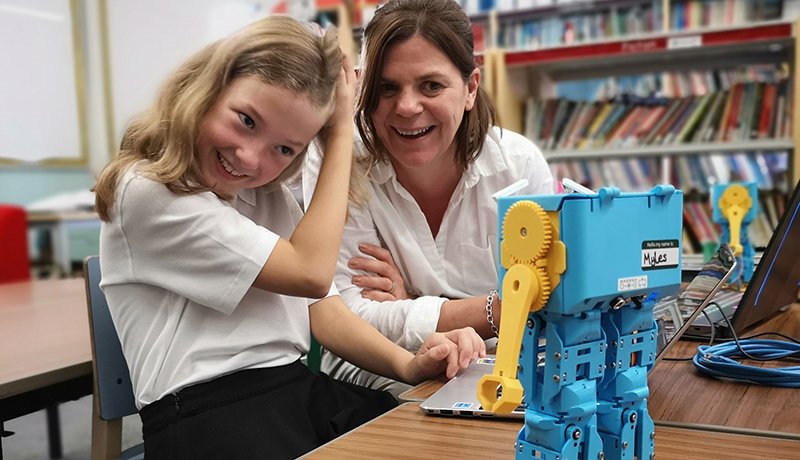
[[30, 439]]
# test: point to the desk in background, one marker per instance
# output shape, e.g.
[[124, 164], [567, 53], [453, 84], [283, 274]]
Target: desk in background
[[46, 355], [59, 225], [407, 433]]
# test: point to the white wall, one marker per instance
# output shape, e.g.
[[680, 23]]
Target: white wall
[[147, 39]]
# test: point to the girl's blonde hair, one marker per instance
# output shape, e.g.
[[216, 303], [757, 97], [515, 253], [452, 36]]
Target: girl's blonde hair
[[278, 50]]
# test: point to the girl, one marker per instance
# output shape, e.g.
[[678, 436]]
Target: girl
[[208, 263]]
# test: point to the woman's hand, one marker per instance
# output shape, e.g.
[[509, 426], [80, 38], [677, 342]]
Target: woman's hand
[[449, 352], [386, 284]]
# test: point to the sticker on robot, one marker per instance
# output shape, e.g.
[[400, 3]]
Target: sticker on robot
[[660, 254], [632, 283]]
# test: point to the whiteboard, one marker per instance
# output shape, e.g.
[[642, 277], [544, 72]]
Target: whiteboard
[[40, 101], [148, 39]]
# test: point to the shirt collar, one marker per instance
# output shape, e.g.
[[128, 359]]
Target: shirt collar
[[248, 195], [490, 160]]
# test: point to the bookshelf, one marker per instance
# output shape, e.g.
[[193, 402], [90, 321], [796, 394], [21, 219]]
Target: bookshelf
[[673, 37], [337, 12]]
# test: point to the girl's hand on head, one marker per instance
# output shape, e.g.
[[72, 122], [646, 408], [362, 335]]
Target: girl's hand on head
[[341, 120], [447, 352], [386, 284]]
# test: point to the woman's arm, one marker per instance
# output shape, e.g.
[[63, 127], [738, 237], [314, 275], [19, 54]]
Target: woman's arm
[[339, 330], [383, 283]]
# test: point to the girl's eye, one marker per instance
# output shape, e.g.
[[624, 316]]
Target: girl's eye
[[286, 151], [247, 121]]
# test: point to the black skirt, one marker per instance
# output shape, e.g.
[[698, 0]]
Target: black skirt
[[278, 412]]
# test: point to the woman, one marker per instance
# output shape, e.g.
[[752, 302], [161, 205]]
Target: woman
[[213, 274], [419, 251]]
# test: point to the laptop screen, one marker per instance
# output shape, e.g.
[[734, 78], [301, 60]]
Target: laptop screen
[[776, 279]]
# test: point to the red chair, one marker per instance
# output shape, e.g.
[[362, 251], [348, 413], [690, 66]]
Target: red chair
[[14, 261]]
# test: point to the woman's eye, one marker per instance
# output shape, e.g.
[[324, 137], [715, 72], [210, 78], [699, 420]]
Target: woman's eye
[[247, 121], [284, 150], [387, 89], [433, 86]]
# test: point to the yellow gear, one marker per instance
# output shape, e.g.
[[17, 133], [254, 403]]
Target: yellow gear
[[544, 289], [527, 234], [735, 195]]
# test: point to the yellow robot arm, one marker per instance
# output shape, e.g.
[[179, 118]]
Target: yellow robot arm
[[734, 204], [534, 262]]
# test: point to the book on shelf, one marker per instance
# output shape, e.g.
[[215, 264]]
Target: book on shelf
[[722, 106], [767, 115]]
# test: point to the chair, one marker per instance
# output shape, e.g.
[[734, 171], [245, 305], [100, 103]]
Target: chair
[[14, 262], [314, 357], [113, 393]]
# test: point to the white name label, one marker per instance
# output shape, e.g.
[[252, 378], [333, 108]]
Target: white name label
[[660, 254]]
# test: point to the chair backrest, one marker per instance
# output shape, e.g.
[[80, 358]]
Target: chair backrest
[[14, 261], [111, 375]]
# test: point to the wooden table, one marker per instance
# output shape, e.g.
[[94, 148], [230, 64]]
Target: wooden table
[[46, 355], [681, 396], [407, 433]]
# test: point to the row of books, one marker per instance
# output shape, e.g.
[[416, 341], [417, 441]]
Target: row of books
[[700, 14], [691, 173], [670, 84], [699, 227], [750, 110], [611, 22], [769, 170], [537, 24]]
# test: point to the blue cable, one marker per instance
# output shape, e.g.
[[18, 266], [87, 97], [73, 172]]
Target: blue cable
[[719, 361]]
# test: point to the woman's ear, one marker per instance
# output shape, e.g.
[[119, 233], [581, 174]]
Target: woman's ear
[[473, 83]]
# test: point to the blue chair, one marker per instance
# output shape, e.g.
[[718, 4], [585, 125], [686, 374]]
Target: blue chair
[[113, 396]]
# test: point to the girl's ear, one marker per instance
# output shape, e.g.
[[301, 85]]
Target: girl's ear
[[473, 83]]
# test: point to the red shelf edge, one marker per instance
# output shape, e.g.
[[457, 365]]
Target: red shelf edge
[[650, 44]]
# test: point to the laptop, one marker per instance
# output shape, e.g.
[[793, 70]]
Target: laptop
[[458, 397], [773, 287]]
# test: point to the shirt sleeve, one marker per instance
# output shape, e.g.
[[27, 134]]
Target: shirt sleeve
[[405, 322], [205, 249]]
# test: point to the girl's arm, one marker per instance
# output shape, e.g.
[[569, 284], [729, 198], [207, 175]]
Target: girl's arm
[[339, 330], [304, 264]]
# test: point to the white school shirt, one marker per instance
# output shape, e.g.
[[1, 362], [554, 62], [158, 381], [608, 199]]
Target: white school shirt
[[177, 274], [461, 261]]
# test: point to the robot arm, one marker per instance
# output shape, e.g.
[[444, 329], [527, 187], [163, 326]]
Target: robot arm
[[534, 258], [734, 205], [520, 287]]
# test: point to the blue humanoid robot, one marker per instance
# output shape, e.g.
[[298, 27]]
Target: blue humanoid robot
[[735, 206], [579, 277]]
